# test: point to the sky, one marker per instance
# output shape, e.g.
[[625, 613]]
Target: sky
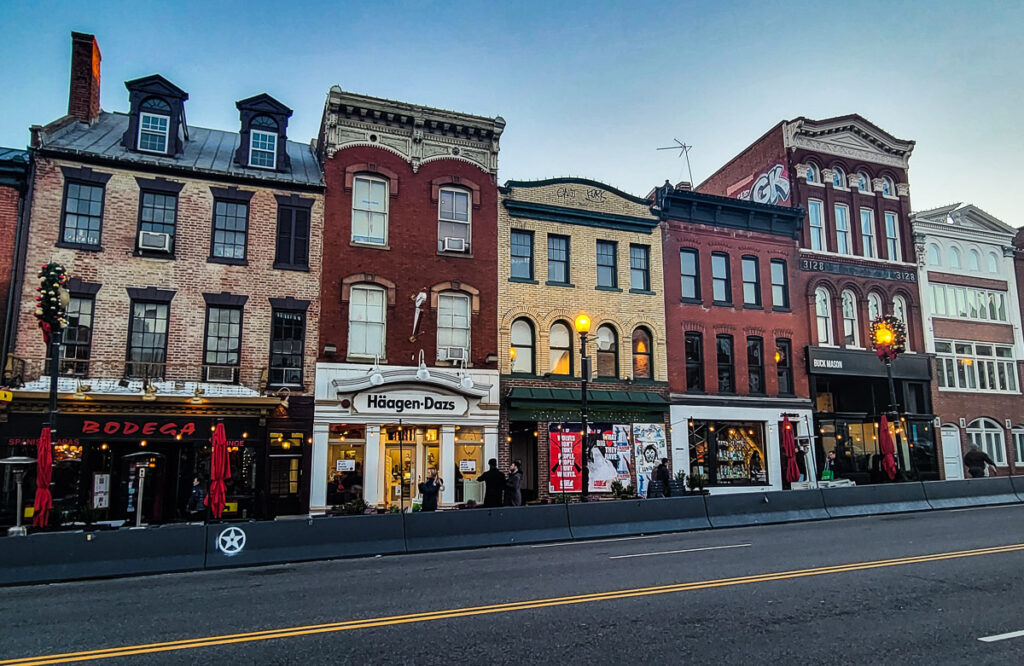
[[587, 89]]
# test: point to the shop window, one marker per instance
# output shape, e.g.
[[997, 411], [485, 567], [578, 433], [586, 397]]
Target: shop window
[[346, 454], [369, 210], [642, 354], [823, 315], [751, 282], [522, 338], [842, 218], [639, 268], [222, 352], [366, 324], [850, 332], [784, 365], [560, 349], [721, 284], [727, 453], [780, 285], [988, 436], [454, 220], [147, 340], [521, 254], [607, 352], [755, 365], [453, 326], [607, 264], [287, 339], [726, 364], [867, 232], [689, 274], [558, 259], [694, 362], [817, 224], [469, 464]]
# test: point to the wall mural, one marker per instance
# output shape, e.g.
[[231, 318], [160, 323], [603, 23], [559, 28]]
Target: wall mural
[[771, 187]]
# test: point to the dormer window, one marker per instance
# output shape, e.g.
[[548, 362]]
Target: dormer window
[[154, 125], [263, 143]]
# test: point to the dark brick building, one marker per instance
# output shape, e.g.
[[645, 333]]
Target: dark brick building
[[14, 173], [410, 300], [857, 260]]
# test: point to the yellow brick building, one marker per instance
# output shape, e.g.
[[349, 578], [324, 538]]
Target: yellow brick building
[[567, 246]]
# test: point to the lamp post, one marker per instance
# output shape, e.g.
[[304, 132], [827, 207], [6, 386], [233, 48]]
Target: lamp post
[[582, 324], [888, 337]]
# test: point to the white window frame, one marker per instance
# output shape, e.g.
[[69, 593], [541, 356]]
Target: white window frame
[[845, 231], [823, 320], [468, 222], [442, 323], [166, 133], [838, 173], [961, 368], [863, 183], [817, 231], [867, 240], [365, 351], [891, 184], [992, 263], [366, 240], [954, 259], [874, 306], [849, 305], [899, 310], [1017, 435], [255, 134], [973, 260], [991, 440], [956, 302], [815, 172], [934, 255]]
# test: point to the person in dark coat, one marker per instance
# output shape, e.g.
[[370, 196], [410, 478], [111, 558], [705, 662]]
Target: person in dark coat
[[662, 476], [196, 509], [494, 484], [513, 494], [975, 461], [429, 490]]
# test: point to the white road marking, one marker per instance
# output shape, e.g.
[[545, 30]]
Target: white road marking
[[1001, 637], [673, 552], [581, 543], [989, 506]]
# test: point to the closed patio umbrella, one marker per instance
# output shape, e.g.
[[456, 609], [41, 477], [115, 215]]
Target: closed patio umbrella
[[44, 472], [789, 449], [220, 472], [887, 449]]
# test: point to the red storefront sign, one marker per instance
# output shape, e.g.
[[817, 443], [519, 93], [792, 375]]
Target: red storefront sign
[[123, 427]]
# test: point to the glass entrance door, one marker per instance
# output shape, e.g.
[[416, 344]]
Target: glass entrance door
[[399, 473]]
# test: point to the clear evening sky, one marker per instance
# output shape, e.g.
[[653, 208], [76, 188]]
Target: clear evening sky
[[588, 89]]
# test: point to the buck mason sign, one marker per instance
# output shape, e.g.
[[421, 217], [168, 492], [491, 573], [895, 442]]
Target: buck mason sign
[[413, 403]]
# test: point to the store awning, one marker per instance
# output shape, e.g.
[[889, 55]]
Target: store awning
[[533, 403]]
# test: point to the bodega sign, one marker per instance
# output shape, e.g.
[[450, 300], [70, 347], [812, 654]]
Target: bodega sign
[[412, 403]]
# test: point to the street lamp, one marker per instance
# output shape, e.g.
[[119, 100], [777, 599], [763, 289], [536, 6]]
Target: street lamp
[[889, 337], [582, 324]]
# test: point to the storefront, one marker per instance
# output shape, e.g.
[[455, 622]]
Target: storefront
[[379, 431], [851, 392], [729, 447]]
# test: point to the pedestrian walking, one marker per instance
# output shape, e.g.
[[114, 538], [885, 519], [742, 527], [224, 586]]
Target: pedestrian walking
[[195, 508], [975, 461], [429, 490], [494, 484], [662, 477], [513, 494]]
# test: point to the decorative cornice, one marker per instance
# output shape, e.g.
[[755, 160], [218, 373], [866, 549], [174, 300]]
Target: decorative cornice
[[436, 378], [828, 148], [587, 218]]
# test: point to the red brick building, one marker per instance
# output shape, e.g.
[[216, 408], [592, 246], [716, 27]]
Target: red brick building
[[194, 261], [857, 260], [409, 300], [14, 171], [735, 328]]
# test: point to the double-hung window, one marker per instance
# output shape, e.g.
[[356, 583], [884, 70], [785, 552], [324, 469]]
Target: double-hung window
[[755, 365], [83, 214], [158, 214], [453, 220], [726, 364], [76, 345], [453, 323], [784, 365], [842, 229], [230, 230], [262, 149], [223, 348], [817, 222], [867, 232], [366, 309], [147, 339], [287, 337], [642, 354], [751, 282], [892, 236], [292, 237], [721, 285], [639, 268], [521, 255], [607, 264], [153, 132], [689, 274], [369, 210], [780, 285], [558, 259], [694, 362]]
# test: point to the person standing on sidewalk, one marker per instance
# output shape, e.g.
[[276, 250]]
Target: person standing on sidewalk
[[975, 461], [429, 490], [513, 494], [195, 508], [494, 484], [662, 477]]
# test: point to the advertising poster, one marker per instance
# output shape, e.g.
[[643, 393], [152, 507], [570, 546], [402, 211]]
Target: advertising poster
[[564, 460], [651, 447], [609, 457]]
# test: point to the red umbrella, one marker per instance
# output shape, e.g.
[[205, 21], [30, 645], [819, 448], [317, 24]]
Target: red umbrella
[[44, 472], [886, 448], [220, 471], [789, 449]]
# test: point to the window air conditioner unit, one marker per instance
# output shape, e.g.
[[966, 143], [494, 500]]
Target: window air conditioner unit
[[452, 244], [152, 240], [220, 373], [452, 353]]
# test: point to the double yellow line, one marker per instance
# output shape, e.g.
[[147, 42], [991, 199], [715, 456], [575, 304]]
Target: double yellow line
[[331, 627]]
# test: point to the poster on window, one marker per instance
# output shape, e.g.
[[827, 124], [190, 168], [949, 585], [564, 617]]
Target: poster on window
[[609, 457], [564, 460], [651, 447]]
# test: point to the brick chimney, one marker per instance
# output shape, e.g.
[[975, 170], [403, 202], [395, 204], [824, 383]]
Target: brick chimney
[[84, 98]]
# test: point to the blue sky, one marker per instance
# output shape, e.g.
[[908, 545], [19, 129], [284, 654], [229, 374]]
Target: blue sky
[[587, 89]]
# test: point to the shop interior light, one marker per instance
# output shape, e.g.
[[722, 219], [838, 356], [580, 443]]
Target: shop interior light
[[245, 435], [104, 446], [178, 437], [142, 443]]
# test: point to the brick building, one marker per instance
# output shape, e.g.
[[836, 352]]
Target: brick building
[[568, 246], [972, 323], [407, 378], [14, 171], [734, 328], [194, 257], [857, 261]]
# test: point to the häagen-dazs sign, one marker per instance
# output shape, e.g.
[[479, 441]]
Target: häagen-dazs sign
[[412, 403]]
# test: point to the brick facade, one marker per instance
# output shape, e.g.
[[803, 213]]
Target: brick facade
[[14, 172]]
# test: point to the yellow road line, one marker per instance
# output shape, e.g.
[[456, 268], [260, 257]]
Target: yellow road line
[[367, 623]]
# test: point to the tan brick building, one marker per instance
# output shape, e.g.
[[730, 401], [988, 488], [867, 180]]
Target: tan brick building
[[568, 246], [194, 264]]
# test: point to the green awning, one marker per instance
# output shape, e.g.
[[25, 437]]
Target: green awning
[[526, 402]]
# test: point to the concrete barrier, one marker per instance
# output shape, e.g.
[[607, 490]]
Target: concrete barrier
[[274, 542], [785, 506], [874, 499], [970, 492], [474, 528], [1018, 486], [628, 517], [48, 557]]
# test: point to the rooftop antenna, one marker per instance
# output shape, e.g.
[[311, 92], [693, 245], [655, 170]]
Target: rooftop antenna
[[684, 151]]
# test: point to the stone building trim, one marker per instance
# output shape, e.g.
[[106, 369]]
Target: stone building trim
[[456, 181], [225, 299], [294, 200], [389, 286], [159, 184], [289, 303], [352, 170], [471, 291], [232, 194], [79, 287], [151, 294], [85, 175]]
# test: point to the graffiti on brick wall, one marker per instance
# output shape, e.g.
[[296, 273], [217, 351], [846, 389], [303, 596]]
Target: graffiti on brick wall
[[771, 187]]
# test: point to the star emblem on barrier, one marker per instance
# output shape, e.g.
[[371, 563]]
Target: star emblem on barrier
[[231, 541]]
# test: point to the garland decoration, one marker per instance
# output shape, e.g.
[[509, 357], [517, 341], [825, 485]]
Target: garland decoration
[[888, 336], [52, 301]]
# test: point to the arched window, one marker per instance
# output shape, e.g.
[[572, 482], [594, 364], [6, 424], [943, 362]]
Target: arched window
[[974, 260], [934, 256], [888, 187], [863, 182], [452, 326], [263, 122], [954, 258], [988, 436], [366, 308], [642, 354], [607, 351], [992, 263], [521, 337], [850, 333], [874, 306], [899, 310], [560, 349], [838, 177], [813, 174], [823, 310]]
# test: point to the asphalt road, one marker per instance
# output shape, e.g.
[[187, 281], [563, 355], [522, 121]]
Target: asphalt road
[[913, 588]]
